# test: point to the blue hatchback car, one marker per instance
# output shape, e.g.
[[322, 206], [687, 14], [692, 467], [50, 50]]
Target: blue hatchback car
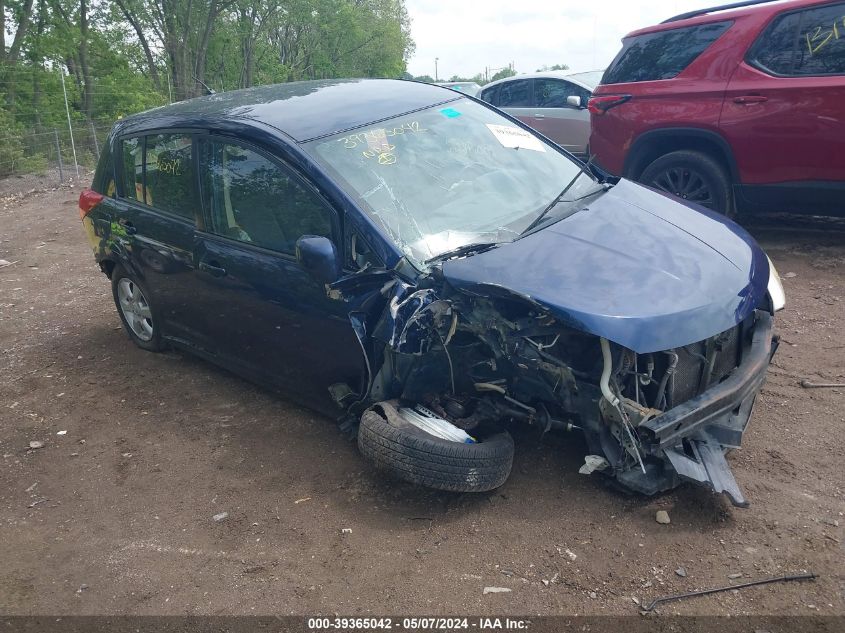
[[432, 272]]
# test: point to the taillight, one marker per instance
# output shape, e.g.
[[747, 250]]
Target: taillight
[[88, 199], [601, 104]]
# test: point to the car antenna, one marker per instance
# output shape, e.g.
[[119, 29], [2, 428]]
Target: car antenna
[[201, 82]]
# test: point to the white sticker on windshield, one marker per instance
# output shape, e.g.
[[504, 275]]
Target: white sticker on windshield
[[516, 138]]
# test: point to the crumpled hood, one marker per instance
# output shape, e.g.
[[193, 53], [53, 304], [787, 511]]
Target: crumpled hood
[[635, 267]]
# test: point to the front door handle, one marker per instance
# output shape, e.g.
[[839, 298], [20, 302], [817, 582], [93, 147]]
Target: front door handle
[[746, 99], [539, 116], [213, 269]]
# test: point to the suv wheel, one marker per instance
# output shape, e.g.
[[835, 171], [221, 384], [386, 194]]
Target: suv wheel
[[692, 176], [136, 313]]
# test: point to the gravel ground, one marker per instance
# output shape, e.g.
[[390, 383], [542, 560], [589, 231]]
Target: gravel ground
[[115, 513]]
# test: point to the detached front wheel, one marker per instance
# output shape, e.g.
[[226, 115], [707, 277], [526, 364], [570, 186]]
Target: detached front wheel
[[692, 176], [420, 458]]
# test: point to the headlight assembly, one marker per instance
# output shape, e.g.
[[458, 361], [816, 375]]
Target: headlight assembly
[[775, 288]]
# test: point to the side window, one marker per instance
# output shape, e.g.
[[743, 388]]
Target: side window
[[552, 93], [251, 199], [803, 43], [661, 55], [133, 168], [490, 95], [169, 174], [515, 94]]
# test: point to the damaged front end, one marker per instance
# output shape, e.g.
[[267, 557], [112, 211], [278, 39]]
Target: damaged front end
[[650, 420]]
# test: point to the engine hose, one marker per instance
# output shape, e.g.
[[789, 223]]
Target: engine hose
[[604, 383], [670, 371]]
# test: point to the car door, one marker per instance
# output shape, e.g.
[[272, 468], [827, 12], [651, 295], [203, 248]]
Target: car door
[[152, 224], [269, 318], [783, 112], [567, 125], [514, 97]]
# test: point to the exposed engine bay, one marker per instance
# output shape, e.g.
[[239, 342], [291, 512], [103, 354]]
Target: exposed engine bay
[[649, 420]]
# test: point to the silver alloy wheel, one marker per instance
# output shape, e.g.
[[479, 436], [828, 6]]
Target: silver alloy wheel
[[135, 309]]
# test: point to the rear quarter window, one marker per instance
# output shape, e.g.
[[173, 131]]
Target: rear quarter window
[[490, 95], [104, 182], [803, 43], [662, 55]]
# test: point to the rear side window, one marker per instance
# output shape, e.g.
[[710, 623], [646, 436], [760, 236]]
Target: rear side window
[[661, 55], [158, 171], [252, 199], [515, 94], [169, 174], [803, 43]]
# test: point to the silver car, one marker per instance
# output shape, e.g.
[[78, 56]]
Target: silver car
[[554, 103], [467, 87]]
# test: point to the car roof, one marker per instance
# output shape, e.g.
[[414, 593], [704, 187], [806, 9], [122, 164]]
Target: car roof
[[548, 74], [303, 110], [765, 8]]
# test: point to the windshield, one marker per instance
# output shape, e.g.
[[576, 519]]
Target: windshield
[[449, 176], [591, 78]]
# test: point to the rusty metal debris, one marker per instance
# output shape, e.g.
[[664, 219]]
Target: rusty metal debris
[[820, 385], [651, 605]]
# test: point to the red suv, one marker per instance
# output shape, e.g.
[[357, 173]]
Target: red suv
[[737, 109]]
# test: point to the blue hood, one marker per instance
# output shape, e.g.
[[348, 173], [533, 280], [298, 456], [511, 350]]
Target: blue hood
[[635, 267]]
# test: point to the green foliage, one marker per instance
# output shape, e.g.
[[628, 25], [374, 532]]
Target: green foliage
[[479, 79], [11, 148], [545, 68], [502, 74], [119, 57]]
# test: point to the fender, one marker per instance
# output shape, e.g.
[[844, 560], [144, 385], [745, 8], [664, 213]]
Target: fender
[[637, 157]]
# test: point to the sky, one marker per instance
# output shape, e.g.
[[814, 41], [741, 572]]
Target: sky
[[469, 36]]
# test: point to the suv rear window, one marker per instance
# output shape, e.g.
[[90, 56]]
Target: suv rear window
[[661, 55], [810, 42]]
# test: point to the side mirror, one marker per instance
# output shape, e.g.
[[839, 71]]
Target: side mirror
[[574, 101], [318, 255]]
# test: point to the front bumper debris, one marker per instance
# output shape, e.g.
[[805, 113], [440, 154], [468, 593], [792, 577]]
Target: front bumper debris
[[695, 435]]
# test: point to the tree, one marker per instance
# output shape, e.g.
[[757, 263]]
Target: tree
[[502, 74], [118, 57], [555, 67]]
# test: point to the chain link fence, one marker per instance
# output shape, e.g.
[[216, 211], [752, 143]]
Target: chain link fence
[[56, 153]]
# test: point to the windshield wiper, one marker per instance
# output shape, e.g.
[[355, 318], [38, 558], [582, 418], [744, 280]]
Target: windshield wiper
[[559, 196], [465, 249]]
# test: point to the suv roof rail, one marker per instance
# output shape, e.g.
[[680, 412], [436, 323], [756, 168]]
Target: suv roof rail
[[722, 7]]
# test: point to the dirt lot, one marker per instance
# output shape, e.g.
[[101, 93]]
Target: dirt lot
[[114, 513]]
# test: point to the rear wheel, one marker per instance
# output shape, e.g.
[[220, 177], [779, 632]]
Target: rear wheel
[[692, 176], [415, 456], [136, 312]]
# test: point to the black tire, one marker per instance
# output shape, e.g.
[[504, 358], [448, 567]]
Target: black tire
[[417, 457], [154, 343], [692, 176]]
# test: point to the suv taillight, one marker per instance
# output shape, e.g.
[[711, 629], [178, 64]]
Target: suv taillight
[[88, 199], [603, 103]]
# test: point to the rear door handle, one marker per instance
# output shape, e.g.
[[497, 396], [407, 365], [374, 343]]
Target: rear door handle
[[213, 269], [128, 226], [539, 116], [746, 99]]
